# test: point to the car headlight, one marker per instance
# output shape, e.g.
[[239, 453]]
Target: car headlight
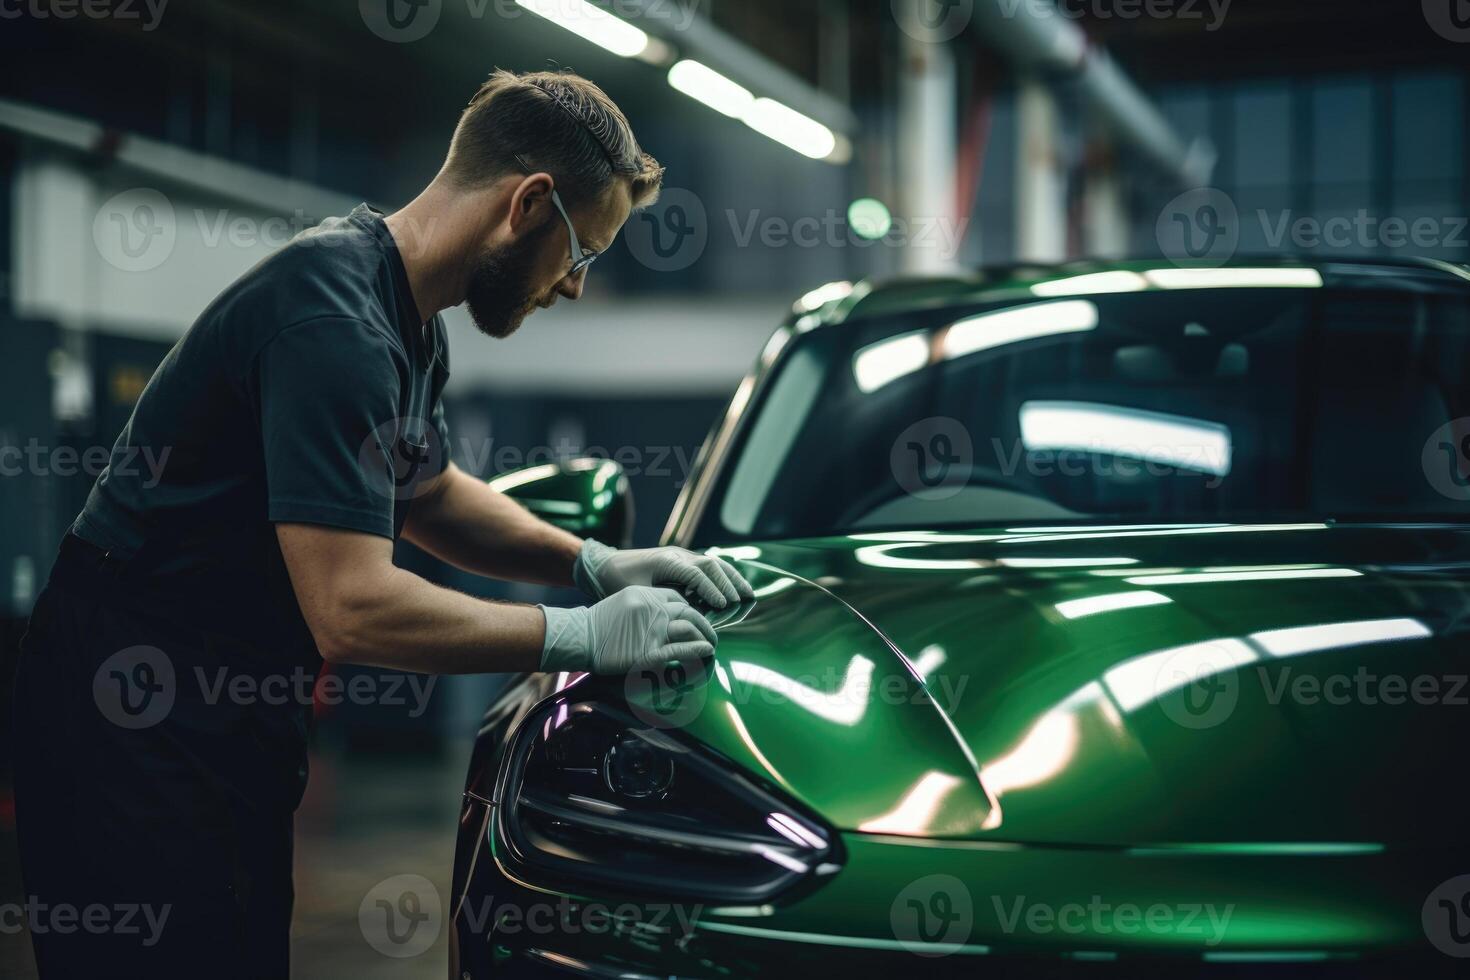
[[588, 796]]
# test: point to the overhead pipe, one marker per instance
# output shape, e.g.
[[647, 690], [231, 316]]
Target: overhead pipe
[[175, 165], [1039, 39]]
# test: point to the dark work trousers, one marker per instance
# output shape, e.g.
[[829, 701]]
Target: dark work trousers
[[154, 810]]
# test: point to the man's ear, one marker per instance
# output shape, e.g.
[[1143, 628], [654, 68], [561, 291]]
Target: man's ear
[[529, 201]]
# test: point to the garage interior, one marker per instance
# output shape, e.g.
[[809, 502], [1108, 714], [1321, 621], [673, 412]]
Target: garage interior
[[1013, 134]]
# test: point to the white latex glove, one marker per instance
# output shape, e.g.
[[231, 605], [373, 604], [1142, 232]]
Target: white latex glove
[[634, 628], [601, 571]]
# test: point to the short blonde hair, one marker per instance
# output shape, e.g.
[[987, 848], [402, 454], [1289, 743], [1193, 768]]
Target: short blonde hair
[[558, 122]]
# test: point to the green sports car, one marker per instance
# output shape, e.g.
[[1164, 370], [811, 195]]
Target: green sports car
[[1110, 618]]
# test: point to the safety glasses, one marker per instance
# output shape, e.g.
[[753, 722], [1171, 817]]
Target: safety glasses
[[580, 259]]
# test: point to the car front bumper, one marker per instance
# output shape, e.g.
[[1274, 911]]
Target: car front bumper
[[968, 907]]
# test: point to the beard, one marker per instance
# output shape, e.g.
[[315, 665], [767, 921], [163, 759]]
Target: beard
[[500, 295]]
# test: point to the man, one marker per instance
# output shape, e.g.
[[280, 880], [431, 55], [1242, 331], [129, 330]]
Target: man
[[304, 434]]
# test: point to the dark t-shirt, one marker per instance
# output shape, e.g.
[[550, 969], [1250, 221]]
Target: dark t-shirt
[[307, 392]]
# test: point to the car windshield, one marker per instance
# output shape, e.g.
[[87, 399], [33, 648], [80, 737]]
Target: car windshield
[[1303, 402]]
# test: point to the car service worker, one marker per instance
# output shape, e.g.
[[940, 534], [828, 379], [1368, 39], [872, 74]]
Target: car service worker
[[302, 419]]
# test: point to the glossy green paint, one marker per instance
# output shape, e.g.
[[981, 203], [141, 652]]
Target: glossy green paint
[[971, 630], [1060, 902], [803, 714], [994, 740]]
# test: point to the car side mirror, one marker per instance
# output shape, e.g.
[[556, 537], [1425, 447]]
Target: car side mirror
[[587, 496]]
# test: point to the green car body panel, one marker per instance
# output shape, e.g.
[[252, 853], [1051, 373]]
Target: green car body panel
[[991, 744], [1210, 743]]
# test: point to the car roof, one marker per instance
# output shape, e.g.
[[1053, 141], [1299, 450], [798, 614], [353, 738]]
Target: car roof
[[841, 302]]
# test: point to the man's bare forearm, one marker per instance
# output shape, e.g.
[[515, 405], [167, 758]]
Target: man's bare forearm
[[464, 522], [416, 625], [362, 609]]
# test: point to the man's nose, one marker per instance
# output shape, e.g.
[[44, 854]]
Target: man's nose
[[571, 286]]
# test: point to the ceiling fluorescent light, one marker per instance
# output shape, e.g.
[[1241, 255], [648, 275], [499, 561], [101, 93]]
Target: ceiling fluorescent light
[[790, 128], [704, 84], [591, 23]]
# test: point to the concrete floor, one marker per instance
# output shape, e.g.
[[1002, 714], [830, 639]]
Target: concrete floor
[[365, 818]]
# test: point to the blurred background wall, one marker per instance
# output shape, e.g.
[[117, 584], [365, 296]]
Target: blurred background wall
[[151, 152]]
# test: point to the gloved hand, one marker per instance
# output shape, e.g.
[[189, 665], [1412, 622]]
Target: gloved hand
[[634, 628], [601, 571]]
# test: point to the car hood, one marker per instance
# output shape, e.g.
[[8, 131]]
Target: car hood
[[1262, 686]]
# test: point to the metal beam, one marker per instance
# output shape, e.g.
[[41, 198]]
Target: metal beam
[[176, 166]]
